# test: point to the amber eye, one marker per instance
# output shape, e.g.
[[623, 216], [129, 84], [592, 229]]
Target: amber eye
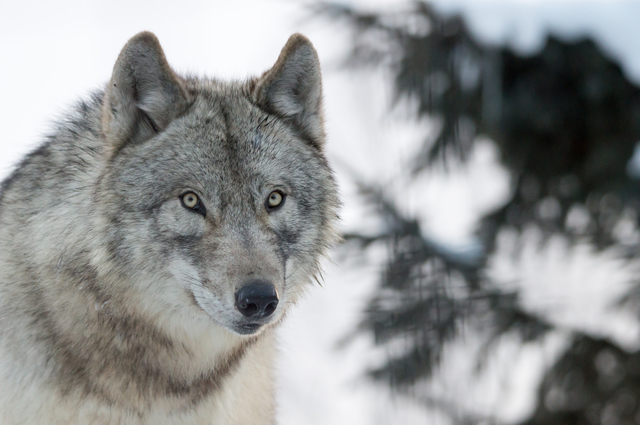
[[191, 201], [275, 200]]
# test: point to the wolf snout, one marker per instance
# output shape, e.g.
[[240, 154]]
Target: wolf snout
[[257, 299]]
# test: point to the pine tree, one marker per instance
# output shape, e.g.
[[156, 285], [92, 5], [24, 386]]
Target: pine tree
[[566, 121]]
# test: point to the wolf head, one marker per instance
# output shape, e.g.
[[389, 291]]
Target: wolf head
[[217, 198]]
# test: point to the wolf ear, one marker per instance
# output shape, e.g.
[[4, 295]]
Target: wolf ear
[[292, 89], [143, 96]]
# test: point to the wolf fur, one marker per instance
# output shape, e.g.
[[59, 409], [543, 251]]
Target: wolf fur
[[117, 301]]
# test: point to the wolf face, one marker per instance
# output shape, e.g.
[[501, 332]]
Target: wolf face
[[218, 190]]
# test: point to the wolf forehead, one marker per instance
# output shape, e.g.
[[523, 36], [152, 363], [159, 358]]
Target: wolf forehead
[[205, 128], [222, 142]]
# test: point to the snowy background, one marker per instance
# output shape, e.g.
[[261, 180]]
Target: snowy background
[[52, 53]]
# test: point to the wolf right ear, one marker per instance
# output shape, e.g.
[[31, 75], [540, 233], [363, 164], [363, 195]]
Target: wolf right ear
[[143, 96], [292, 89]]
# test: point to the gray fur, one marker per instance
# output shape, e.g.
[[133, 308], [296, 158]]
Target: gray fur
[[116, 301]]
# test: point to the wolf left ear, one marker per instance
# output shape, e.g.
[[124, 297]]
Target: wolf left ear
[[292, 89], [143, 96]]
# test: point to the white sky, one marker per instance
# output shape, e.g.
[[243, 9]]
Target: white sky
[[613, 23], [51, 53]]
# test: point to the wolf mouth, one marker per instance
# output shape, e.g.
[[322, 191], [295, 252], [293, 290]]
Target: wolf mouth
[[249, 328]]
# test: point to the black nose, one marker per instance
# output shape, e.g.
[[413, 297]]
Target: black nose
[[257, 299]]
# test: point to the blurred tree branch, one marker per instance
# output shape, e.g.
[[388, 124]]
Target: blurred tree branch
[[566, 122]]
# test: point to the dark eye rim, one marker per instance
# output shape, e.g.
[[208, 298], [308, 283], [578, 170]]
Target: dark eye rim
[[198, 208], [268, 207]]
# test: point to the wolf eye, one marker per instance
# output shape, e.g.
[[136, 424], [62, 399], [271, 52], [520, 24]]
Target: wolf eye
[[191, 201], [275, 200]]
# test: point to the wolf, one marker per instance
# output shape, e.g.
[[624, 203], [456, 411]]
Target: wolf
[[150, 246]]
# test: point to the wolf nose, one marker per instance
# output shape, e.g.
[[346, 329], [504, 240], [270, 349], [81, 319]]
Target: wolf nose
[[257, 299]]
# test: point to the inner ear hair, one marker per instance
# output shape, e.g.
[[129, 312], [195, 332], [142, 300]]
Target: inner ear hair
[[143, 96], [292, 89]]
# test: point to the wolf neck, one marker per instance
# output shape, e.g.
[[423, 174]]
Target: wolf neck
[[111, 348]]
